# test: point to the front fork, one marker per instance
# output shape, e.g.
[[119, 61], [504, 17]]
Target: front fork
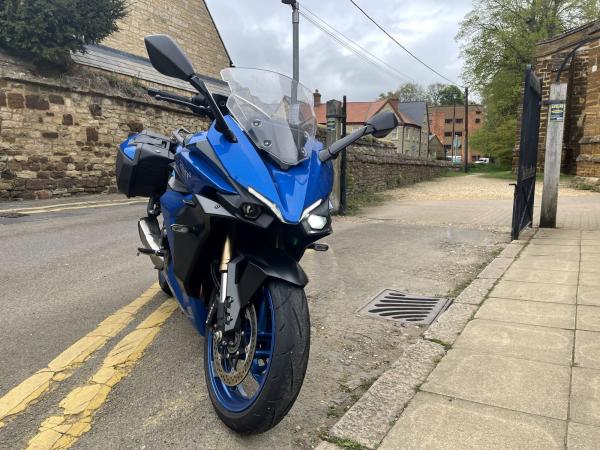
[[222, 301]]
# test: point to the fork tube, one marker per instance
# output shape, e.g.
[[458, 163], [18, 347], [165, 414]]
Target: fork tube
[[225, 258]]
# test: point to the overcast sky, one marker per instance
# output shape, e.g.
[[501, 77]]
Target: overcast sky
[[258, 33]]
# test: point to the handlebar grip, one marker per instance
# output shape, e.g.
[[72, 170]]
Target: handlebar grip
[[155, 92]]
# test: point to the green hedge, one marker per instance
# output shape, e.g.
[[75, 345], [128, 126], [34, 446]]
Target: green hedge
[[47, 30]]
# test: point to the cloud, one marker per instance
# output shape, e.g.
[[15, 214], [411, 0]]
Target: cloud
[[259, 34]]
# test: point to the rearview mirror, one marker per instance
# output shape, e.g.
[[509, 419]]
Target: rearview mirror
[[168, 58], [382, 124]]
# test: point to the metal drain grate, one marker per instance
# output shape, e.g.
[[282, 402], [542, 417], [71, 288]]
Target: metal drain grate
[[404, 307]]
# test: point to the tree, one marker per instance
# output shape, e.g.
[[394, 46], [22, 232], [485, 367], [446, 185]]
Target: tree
[[498, 40], [407, 92], [47, 30], [435, 94], [449, 95]]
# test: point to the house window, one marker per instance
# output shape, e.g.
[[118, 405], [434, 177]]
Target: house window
[[477, 112], [459, 121], [448, 134], [448, 146], [458, 133], [478, 120], [448, 121]]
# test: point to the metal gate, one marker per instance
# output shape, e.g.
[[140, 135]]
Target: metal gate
[[528, 152]]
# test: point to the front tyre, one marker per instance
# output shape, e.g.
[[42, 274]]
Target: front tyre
[[272, 354]]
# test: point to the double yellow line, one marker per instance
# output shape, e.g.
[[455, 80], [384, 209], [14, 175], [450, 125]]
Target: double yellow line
[[61, 431]]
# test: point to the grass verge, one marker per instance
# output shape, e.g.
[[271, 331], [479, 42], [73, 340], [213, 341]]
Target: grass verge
[[360, 200]]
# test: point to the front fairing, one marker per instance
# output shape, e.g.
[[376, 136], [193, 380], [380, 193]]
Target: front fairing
[[292, 190]]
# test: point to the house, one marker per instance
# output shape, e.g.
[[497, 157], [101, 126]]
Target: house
[[419, 112], [448, 124], [407, 136], [581, 140], [436, 148]]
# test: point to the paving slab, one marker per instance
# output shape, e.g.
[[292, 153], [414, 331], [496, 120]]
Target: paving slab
[[591, 258], [553, 345], [590, 266], [545, 233], [527, 312], [496, 268], [449, 325], [585, 396], [540, 292], [437, 422], [569, 251], [588, 318], [369, 419], [476, 291], [588, 295], [537, 262], [553, 241], [590, 235], [511, 250], [590, 249], [527, 386], [587, 349], [541, 276], [583, 437], [590, 279]]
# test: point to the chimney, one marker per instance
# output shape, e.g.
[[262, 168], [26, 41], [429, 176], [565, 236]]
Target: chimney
[[317, 97]]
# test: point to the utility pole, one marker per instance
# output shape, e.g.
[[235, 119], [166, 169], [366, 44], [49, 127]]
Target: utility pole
[[453, 122], [296, 45], [552, 156], [344, 162], [466, 132]]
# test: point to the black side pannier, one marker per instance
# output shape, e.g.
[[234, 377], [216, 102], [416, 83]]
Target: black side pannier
[[145, 171]]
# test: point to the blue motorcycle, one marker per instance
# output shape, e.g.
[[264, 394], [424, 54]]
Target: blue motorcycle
[[240, 204]]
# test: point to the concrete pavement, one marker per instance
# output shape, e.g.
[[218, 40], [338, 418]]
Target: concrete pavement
[[74, 295], [525, 373]]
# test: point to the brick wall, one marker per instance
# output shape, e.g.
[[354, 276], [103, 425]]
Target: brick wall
[[59, 137], [188, 22], [581, 151], [375, 166]]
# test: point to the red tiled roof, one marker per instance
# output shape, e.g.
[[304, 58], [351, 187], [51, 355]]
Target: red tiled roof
[[360, 112]]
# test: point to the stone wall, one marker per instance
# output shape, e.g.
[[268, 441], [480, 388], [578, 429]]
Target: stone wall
[[59, 136], [188, 22], [375, 166]]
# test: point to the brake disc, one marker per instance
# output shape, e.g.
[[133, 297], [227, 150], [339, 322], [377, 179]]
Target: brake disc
[[241, 366]]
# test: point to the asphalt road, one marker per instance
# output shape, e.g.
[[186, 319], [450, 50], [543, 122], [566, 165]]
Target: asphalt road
[[64, 271]]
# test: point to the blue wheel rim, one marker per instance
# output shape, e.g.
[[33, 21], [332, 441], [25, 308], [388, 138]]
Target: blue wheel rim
[[236, 399]]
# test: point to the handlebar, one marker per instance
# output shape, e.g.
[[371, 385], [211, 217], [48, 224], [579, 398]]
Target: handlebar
[[167, 95]]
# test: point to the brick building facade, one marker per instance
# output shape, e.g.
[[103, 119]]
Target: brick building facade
[[59, 136], [581, 142], [445, 119]]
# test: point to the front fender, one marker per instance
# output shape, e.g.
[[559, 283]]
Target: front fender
[[248, 272]]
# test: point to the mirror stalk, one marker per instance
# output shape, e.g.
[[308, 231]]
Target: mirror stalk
[[334, 149], [220, 124]]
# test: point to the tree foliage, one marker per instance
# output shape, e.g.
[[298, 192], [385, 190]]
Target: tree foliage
[[436, 94], [498, 39], [47, 30]]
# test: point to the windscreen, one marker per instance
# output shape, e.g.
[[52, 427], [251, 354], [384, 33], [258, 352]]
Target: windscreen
[[275, 112]]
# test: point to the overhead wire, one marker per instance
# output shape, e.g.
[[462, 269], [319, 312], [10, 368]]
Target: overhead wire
[[402, 46], [349, 42]]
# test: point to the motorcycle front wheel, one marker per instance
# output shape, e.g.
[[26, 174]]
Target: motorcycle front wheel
[[254, 381]]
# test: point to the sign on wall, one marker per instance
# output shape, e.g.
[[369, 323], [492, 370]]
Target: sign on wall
[[557, 112]]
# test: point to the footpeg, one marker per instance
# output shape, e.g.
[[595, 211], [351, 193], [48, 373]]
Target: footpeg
[[317, 247], [149, 251]]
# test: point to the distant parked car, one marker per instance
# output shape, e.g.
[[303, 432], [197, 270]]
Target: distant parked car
[[482, 161], [457, 159]]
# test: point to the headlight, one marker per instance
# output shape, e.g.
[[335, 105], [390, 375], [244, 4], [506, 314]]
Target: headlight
[[316, 222]]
